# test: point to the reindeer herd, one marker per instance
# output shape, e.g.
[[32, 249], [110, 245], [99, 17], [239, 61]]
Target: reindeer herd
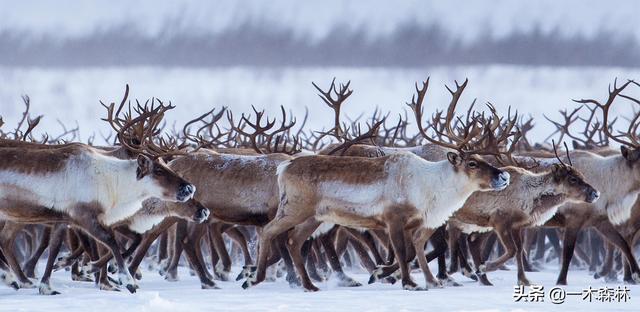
[[307, 203]]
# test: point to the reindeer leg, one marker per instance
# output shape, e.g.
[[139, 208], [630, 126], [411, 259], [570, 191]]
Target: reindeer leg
[[516, 236], [397, 236], [362, 252], [420, 238], [54, 244], [297, 237], [327, 244], [487, 247], [632, 239], [281, 246], [358, 241], [321, 257], [7, 237], [608, 230], [369, 241], [568, 241], [196, 233], [439, 242], [171, 271], [190, 243], [147, 240], [30, 265], [540, 243], [273, 229], [239, 238], [476, 241], [309, 253], [466, 269], [607, 265], [454, 243], [215, 235], [503, 232], [105, 236]]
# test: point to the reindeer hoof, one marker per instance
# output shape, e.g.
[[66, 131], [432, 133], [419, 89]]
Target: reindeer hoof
[[482, 277], [293, 280], [26, 284], [209, 285], [311, 288], [469, 274], [45, 289], [222, 275], [389, 280], [251, 281], [524, 282], [375, 275], [112, 269], [81, 278], [7, 278], [435, 284], [171, 277], [108, 287], [413, 287], [347, 281], [449, 281], [114, 281], [246, 272], [131, 288]]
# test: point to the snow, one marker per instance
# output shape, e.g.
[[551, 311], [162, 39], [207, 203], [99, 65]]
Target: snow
[[72, 95], [155, 294]]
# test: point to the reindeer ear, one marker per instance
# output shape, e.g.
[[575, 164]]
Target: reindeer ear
[[630, 155], [575, 144], [145, 164], [625, 151], [454, 158], [556, 168]]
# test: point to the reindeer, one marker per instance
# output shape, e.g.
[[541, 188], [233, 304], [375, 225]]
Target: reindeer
[[41, 185], [382, 193], [531, 200], [615, 176]]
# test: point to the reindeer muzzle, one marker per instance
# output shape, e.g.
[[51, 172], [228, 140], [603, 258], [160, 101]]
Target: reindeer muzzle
[[185, 192], [592, 196], [201, 215], [500, 182]]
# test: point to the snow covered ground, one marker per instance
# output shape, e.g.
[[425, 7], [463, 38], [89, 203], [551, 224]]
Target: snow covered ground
[[72, 95], [157, 295]]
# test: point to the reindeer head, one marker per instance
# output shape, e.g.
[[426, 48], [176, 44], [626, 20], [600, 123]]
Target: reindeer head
[[167, 184], [192, 210], [485, 175], [140, 136], [570, 181]]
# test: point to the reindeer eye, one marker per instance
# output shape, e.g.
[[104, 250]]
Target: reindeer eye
[[573, 180], [472, 164], [158, 171]]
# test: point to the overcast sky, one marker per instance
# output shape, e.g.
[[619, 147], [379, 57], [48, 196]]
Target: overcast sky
[[464, 19]]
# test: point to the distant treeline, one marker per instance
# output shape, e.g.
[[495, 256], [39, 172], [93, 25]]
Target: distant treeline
[[262, 45]]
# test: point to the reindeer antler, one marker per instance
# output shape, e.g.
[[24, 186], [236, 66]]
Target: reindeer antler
[[631, 135], [465, 131], [341, 95]]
